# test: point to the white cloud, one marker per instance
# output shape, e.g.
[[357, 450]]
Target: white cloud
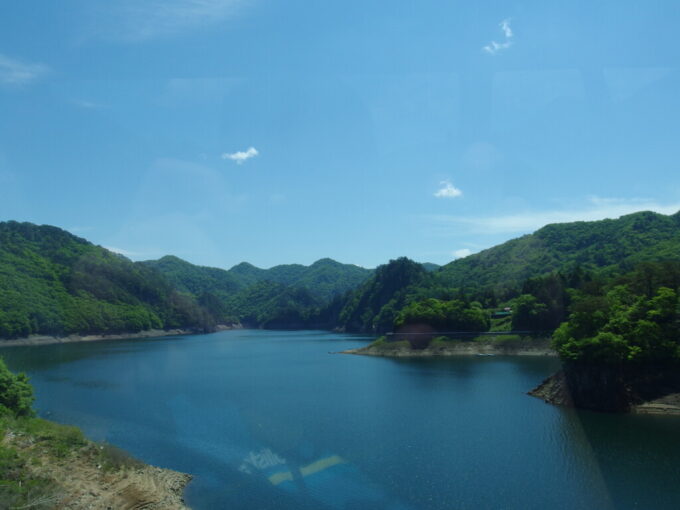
[[16, 72], [241, 156], [596, 208], [505, 27], [462, 253], [447, 190], [121, 251], [493, 48], [139, 20]]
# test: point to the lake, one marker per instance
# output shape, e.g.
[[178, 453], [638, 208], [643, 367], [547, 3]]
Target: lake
[[270, 419]]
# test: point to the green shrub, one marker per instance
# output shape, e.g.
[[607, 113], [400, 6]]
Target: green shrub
[[16, 393]]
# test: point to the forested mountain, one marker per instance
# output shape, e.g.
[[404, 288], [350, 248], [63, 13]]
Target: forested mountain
[[613, 245], [197, 280], [52, 282], [285, 296], [324, 279], [374, 305], [534, 273]]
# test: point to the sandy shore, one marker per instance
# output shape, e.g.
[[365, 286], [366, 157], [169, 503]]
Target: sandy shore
[[149, 333], [398, 350]]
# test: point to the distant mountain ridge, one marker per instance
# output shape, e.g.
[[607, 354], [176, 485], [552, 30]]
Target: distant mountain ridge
[[52, 282], [604, 244], [324, 279]]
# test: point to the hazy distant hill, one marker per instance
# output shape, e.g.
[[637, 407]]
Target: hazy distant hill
[[324, 279], [52, 282], [607, 244]]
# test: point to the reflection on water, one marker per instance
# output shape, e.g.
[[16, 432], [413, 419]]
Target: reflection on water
[[271, 420]]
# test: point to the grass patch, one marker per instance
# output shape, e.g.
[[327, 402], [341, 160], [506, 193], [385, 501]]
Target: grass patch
[[59, 440], [19, 488]]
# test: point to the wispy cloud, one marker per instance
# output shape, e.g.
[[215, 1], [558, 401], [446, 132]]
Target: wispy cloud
[[493, 48], [447, 190], [462, 253], [17, 72], [241, 156], [596, 208], [121, 251], [139, 20]]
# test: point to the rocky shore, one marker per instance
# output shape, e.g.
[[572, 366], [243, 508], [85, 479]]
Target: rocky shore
[[646, 390]]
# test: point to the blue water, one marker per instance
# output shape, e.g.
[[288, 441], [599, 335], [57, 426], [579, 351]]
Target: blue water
[[268, 419]]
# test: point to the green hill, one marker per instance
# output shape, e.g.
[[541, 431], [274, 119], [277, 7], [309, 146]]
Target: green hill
[[324, 279], [608, 245], [53, 282], [285, 296], [197, 280], [374, 306]]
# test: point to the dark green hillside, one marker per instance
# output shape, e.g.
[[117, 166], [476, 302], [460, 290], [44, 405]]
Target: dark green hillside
[[284, 296], [607, 244], [374, 306], [52, 282], [273, 305]]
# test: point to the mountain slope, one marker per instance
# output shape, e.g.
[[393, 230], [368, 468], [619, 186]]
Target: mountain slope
[[324, 279], [53, 282], [604, 244], [373, 306]]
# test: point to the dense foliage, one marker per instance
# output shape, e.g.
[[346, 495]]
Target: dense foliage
[[374, 306], [634, 318], [53, 282], [16, 393], [453, 315]]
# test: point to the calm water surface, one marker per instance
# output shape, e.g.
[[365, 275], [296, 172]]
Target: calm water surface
[[273, 420]]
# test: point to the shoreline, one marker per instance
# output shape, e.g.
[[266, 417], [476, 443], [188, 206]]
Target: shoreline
[[37, 340], [85, 475], [399, 350]]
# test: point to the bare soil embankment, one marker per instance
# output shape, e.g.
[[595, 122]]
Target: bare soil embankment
[[93, 477]]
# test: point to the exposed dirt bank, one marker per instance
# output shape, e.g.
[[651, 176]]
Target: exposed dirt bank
[[149, 333], [94, 477], [476, 348]]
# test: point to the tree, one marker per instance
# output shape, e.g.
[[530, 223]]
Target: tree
[[16, 393]]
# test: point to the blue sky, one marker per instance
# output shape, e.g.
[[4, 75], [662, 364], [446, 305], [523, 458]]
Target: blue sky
[[281, 132]]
